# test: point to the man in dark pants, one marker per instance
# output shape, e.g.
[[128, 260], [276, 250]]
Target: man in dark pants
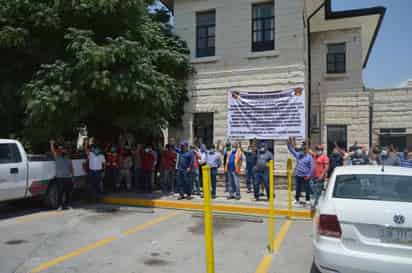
[[251, 157], [214, 161], [303, 171], [96, 166], [64, 175], [261, 170], [185, 172]]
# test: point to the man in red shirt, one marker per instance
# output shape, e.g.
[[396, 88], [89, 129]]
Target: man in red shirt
[[167, 169], [148, 165], [320, 172]]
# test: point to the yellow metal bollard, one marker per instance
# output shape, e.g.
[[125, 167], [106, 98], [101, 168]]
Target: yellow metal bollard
[[271, 208], [289, 170], [210, 257]]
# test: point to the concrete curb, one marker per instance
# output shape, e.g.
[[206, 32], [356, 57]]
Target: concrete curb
[[156, 203]]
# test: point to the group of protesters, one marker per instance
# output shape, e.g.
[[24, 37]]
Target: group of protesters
[[314, 167], [178, 168]]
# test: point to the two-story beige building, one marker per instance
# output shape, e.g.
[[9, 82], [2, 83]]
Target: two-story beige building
[[260, 45]]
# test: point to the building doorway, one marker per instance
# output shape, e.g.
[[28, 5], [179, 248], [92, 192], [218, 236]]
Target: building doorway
[[203, 129], [337, 134]]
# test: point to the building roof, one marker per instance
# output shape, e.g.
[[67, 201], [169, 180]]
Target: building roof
[[368, 19]]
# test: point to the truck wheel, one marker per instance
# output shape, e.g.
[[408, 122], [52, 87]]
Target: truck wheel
[[314, 268], [52, 196]]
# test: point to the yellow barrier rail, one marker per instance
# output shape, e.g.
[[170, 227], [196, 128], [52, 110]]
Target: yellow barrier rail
[[289, 170], [210, 257], [271, 207]]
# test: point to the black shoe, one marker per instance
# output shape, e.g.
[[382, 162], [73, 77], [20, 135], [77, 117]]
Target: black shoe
[[180, 197], [189, 197], [230, 197], [249, 191], [213, 196], [257, 198], [237, 197]]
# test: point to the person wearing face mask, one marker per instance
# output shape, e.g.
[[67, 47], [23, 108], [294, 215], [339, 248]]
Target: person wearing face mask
[[97, 163], [320, 172], [388, 158], [185, 171], [64, 175], [303, 170], [261, 170], [235, 159], [251, 157], [214, 160], [336, 159], [358, 157]]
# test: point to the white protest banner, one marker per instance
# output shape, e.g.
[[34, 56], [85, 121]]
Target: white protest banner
[[267, 115]]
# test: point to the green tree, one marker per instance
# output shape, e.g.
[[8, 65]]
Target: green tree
[[104, 63]]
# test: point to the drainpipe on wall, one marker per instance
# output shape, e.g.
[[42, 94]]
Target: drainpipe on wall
[[310, 66]]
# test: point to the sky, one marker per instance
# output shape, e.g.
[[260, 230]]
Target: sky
[[390, 63]]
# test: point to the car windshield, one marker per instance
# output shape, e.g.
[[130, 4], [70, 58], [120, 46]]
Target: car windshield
[[395, 188]]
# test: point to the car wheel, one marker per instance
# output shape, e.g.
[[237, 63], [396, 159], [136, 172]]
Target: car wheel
[[52, 196], [314, 268]]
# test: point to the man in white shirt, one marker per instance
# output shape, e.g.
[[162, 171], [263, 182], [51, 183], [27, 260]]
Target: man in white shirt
[[96, 167]]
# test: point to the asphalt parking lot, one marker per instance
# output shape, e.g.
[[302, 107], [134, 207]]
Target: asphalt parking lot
[[104, 238]]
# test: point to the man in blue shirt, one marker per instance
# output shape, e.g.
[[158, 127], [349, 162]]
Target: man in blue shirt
[[185, 172], [214, 161], [303, 169], [407, 161]]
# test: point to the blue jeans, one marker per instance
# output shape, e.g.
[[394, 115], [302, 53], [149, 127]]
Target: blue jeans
[[213, 175], [196, 181], [234, 184], [317, 187], [262, 176], [147, 181], [250, 178], [301, 182], [184, 182]]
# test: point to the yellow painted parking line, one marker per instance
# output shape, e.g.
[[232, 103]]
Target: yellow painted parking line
[[265, 263], [41, 215], [185, 205], [73, 254], [149, 224], [281, 235], [101, 243]]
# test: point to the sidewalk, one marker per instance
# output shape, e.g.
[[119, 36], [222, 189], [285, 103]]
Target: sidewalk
[[246, 205]]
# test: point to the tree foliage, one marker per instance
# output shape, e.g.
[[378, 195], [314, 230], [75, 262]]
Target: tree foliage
[[96, 62]]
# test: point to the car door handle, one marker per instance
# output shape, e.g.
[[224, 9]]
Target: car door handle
[[14, 170]]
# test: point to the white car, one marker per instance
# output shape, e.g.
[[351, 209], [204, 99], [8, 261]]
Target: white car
[[363, 223]]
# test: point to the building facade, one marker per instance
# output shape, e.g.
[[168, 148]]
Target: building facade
[[260, 45]]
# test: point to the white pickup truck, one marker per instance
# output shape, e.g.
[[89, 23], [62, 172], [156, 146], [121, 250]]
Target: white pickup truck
[[24, 176]]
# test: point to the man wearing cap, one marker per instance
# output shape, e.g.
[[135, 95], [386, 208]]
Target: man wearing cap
[[321, 167], [303, 170]]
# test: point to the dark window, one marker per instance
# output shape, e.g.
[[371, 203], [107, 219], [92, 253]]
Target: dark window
[[203, 128], [205, 33], [336, 58], [394, 188], [9, 153], [263, 26], [336, 136]]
